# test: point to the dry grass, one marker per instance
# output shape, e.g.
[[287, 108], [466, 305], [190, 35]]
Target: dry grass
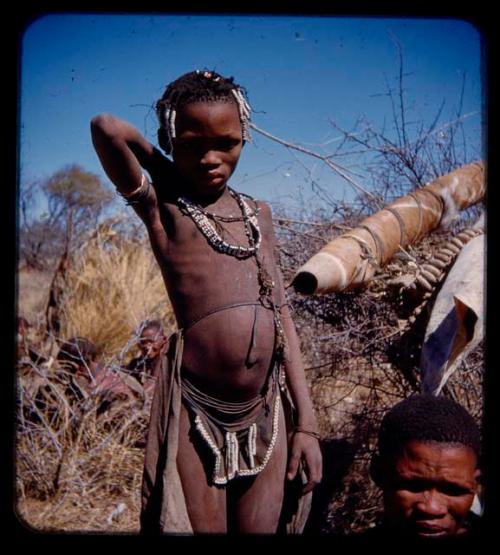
[[33, 291], [81, 471], [111, 287], [75, 464], [74, 467], [362, 355]]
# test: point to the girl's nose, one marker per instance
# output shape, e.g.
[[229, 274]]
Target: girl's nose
[[210, 158]]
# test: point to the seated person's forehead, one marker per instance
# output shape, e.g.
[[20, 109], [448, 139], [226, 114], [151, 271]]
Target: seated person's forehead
[[150, 333], [430, 458], [420, 466]]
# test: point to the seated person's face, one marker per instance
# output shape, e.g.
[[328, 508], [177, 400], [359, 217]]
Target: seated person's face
[[151, 342], [431, 489]]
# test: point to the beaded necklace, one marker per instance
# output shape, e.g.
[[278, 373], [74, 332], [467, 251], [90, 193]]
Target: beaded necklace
[[202, 217]]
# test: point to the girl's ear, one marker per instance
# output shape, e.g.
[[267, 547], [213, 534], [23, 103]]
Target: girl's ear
[[377, 469], [163, 140]]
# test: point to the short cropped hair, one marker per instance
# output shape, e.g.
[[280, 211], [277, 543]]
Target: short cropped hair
[[198, 86], [427, 418], [77, 350], [151, 325]]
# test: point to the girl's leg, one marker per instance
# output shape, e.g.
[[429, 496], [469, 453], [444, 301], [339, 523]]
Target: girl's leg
[[258, 500], [206, 504]]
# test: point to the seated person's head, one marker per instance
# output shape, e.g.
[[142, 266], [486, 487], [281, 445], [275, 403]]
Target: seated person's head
[[427, 466], [77, 353], [151, 339]]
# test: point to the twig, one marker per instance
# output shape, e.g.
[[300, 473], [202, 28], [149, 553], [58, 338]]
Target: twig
[[280, 221], [303, 233], [325, 159]]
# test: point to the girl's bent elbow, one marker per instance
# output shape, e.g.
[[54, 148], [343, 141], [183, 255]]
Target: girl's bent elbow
[[102, 124]]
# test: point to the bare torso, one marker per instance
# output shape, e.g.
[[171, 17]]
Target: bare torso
[[203, 284]]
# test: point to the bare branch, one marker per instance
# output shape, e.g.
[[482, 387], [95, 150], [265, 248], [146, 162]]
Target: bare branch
[[335, 167]]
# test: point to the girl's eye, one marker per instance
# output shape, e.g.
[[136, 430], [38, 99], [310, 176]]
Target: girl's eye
[[227, 144], [187, 145], [221, 145]]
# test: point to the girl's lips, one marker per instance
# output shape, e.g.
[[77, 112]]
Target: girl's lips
[[212, 180], [211, 176]]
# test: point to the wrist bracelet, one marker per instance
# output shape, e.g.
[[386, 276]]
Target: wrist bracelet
[[307, 432]]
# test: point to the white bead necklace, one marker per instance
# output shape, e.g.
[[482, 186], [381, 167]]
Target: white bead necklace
[[252, 230]]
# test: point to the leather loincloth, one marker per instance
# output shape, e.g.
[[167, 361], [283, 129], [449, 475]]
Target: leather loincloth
[[164, 507]]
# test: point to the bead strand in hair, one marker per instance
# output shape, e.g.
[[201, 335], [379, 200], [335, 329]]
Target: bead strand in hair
[[200, 86]]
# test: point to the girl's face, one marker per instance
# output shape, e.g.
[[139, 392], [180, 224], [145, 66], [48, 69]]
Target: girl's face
[[207, 145]]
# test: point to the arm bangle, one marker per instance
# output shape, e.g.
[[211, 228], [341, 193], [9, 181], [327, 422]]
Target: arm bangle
[[135, 191], [138, 193], [307, 432]]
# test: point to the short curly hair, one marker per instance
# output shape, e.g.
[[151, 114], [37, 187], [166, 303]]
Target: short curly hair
[[428, 418], [155, 325], [198, 86]]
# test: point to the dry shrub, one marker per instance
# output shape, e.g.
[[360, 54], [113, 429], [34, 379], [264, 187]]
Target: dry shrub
[[78, 468], [361, 355], [112, 285], [83, 473], [75, 464]]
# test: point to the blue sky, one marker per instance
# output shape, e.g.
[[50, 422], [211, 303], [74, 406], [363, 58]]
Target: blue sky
[[300, 73]]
